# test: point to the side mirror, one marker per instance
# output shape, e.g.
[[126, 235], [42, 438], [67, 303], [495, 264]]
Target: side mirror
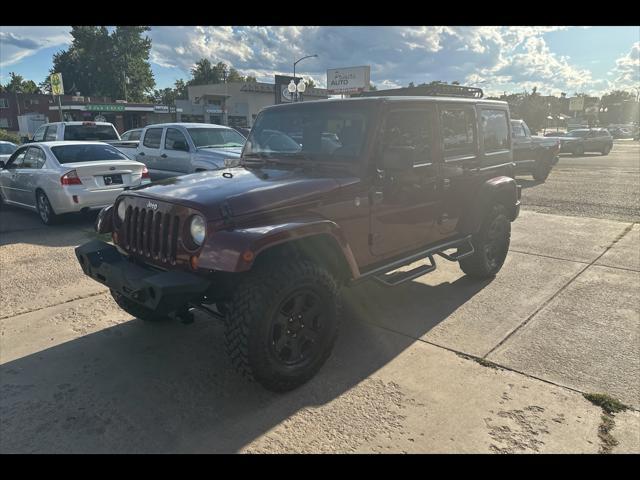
[[398, 159], [180, 145]]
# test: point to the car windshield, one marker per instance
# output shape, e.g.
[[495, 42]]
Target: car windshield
[[578, 133], [86, 153], [323, 131], [7, 148], [215, 137], [90, 131]]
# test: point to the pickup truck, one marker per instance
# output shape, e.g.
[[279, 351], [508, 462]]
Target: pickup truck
[[174, 149], [81, 131], [531, 153]]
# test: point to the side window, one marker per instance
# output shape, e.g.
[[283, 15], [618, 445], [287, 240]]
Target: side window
[[457, 131], [409, 128], [517, 130], [39, 135], [172, 137], [16, 159], [51, 133], [495, 130], [152, 138], [135, 135], [33, 159], [527, 132]]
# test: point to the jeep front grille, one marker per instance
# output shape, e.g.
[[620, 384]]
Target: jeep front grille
[[151, 234]]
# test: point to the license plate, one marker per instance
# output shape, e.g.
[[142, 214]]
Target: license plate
[[113, 179]]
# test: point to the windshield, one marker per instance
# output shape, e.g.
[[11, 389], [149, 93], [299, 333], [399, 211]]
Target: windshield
[[90, 132], [7, 148], [578, 133], [86, 153], [215, 137], [331, 132]]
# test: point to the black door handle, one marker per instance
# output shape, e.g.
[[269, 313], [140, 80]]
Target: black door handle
[[164, 155], [141, 154]]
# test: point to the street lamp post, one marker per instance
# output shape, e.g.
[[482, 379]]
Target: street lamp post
[[296, 85], [299, 60]]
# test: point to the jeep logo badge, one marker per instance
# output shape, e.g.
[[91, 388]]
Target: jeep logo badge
[[152, 206]]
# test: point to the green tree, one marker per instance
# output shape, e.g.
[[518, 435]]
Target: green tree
[[17, 84], [250, 79], [310, 83], [131, 50], [204, 73]]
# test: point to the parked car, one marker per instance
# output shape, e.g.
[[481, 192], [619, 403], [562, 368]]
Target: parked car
[[53, 178], [76, 131], [267, 245], [6, 149], [580, 141], [173, 149], [131, 135], [533, 154]]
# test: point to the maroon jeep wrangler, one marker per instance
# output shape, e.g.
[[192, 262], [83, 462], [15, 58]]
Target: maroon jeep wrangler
[[326, 193]]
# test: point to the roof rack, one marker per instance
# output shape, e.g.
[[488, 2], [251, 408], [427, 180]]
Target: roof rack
[[453, 91]]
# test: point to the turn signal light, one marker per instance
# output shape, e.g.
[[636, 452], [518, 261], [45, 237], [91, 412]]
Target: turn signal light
[[70, 178], [145, 173]]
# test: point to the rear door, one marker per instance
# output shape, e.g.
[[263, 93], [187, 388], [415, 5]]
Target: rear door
[[406, 204], [175, 158], [26, 176], [149, 151]]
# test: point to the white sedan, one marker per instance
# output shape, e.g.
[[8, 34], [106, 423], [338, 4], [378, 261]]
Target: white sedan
[[53, 178]]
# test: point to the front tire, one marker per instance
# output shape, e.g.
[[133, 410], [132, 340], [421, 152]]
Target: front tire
[[45, 210], [137, 310], [541, 170], [578, 151], [490, 244], [606, 150], [282, 323]]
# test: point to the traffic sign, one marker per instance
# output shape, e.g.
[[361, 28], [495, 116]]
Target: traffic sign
[[56, 84]]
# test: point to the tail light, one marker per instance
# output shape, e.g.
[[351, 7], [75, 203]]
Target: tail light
[[70, 178], [145, 173]]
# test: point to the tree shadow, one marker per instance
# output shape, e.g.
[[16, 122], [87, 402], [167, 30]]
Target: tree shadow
[[140, 387]]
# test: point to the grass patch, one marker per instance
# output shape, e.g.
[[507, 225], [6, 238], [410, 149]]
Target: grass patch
[[606, 402], [481, 361], [604, 433]]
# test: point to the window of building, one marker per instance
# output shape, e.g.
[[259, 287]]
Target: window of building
[[458, 131], [152, 138], [5, 123], [4, 103], [495, 130]]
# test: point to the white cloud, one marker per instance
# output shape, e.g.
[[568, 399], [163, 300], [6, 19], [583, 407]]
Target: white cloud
[[18, 43]]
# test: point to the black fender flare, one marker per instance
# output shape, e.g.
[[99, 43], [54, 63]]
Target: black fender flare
[[500, 189]]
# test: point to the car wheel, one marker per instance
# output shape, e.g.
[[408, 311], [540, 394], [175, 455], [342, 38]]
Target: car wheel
[[45, 210], [606, 150], [578, 151], [541, 170], [490, 244], [282, 323], [136, 310]]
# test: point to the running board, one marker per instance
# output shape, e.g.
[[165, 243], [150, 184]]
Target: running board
[[464, 250], [396, 278]]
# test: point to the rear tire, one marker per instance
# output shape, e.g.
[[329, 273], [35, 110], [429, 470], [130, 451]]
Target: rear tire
[[45, 210], [491, 244], [282, 323], [137, 310]]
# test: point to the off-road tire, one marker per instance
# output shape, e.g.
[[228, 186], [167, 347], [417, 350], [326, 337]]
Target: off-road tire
[[252, 314], [578, 151], [605, 151], [137, 310], [541, 170], [496, 227], [45, 210]]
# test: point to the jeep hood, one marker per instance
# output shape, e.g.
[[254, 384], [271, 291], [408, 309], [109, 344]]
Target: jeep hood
[[243, 190]]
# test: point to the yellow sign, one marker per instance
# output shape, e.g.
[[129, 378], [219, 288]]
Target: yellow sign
[[56, 84]]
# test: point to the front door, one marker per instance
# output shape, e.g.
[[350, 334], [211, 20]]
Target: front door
[[405, 203], [522, 145], [9, 175], [149, 152], [175, 157], [26, 177]]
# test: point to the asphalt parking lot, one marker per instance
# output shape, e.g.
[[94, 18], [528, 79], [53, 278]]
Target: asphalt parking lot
[[441, 364]]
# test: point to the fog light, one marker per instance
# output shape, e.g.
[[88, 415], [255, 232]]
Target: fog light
[[193, 261], [247, 256]]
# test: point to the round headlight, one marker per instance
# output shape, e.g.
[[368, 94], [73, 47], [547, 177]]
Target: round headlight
[[122, 210], [197, 229]]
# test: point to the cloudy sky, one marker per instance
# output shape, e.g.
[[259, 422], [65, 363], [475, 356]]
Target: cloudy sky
[[592, 60]]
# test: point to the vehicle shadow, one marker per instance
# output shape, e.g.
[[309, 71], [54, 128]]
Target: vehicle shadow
[[140, 387], [18, 225]]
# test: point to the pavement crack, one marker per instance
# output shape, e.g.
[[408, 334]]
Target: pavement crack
[[52, 306]]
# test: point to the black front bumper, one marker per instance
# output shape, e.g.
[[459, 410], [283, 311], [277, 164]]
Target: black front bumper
[[154, 289]]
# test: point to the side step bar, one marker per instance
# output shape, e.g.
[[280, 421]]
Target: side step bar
[[387, 276]]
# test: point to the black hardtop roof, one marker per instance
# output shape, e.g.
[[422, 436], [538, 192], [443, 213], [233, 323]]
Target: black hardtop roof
[[395, 99]]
